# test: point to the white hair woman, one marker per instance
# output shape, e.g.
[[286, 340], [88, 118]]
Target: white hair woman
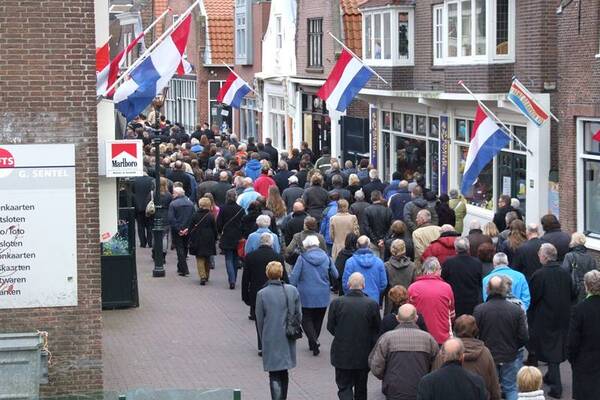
[[312, 275], [578, 261], [262, 222]]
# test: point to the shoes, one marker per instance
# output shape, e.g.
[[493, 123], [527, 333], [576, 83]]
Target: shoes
[[316, 351], [260, 353], [231, 286], [555, 394], [181, 273], [202, 282], [212, 267], [251, 318]]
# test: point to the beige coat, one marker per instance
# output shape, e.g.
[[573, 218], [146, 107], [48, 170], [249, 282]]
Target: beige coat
[[422, 237], [340, 225]]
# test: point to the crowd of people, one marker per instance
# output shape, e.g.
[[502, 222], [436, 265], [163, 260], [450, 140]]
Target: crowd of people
[[432, 303]]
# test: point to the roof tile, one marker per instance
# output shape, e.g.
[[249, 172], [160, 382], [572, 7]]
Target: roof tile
[[220, 30], [352, 19]]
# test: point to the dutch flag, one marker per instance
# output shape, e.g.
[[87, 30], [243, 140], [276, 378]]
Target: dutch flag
[[154, 73], [348, 76], [233, 91], [487, 139]]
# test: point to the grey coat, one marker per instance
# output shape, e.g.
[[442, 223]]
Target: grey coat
[[279, 352]]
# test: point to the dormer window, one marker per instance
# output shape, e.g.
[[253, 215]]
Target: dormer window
[[388, 36]]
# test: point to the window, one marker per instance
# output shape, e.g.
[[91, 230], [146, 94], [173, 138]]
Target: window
[[277, 121], [315, 42], [278, 32], [388, 37], [470, 35], [240, 35], [218, 113], [248, 119], [588, 178], [243, 32], [180, 102]]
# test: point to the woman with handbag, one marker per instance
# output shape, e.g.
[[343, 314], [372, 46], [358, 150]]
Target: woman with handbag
[[229, 224], [312, 275], [278, 315], [203, 238]]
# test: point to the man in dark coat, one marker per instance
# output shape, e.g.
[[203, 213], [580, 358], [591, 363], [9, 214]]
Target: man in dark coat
[[376, 220], [503, 208], [583, 348], [354, 322], [452, 381], [254, 277], [337, 186], [292, 193], [476, 237], [293, 222], [554, 235], [316, 198], [272, 151], [464, 274], [180, 214], [526, 259], [374, 184], [359, 206], [398, 200], [552, 292], [219, 191], [142, 187], [282, 176], [178, 175]]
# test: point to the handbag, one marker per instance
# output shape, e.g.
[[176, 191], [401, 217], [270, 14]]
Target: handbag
[[241, 248], [293, 326], [150, 207]]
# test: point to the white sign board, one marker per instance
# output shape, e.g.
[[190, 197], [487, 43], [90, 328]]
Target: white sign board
[[38, 238], [124, 158]]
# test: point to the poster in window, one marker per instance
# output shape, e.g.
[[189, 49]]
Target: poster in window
[[506, 185], [421, 125], [408, 123], [444, 149]]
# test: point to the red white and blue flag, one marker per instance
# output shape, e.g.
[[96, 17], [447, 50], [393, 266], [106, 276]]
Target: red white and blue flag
[[487, 139], [154, 73], [348, 76], [233, 91], [102, 68], [524, 101]]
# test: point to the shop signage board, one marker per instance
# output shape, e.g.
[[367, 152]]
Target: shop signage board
[[38, 231], [374, 117], [124, 158], [444, 153]]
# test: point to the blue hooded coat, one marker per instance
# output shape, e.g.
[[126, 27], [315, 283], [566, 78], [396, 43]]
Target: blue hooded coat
[[372, 268], [252, 169], [311, 275]]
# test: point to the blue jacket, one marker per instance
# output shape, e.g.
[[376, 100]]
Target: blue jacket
[[247, 197], [391, 189], [397, 201], [252, 169], [180, 213], [329, 212], [520, 288], [311, 275], [365, 262], [197, 148], [253, 241]]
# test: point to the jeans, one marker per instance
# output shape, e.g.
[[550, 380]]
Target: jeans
[[312, 321], [507, 373], [231, 264], [352, 383]]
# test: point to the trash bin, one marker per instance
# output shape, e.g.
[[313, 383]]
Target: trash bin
[[21, 366]]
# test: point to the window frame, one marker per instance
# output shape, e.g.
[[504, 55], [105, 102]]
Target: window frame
[[393, 14], [277, 117], [490, 56], [243, 32], [314, 38], [593, 241], [278, 31], [437, 11]]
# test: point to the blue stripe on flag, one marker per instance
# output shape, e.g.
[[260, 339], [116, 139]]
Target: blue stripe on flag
[[360, 79], [146, 76], [239, 95], [496, 142], [517, 102]]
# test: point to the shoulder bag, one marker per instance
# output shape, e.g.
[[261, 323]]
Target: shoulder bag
[[150, 207], [293, 326]]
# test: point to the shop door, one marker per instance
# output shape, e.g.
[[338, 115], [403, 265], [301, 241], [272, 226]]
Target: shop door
[[321, 133], [355, 139]]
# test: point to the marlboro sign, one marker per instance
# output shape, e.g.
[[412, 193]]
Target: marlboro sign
[[124, 158]]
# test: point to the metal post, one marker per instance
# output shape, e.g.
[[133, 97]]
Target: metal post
[[157, 230]]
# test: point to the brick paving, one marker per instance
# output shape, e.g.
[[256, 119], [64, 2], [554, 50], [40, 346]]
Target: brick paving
[[188, 336]]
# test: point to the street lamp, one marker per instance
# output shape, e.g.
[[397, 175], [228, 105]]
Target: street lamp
[[157, 230]]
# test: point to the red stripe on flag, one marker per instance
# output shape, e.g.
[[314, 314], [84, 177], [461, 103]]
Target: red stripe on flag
[[181, 33], [102, 57], [533, 103], [480, 115], [596, 136], [335, 75], [113, 73], [225, 88]]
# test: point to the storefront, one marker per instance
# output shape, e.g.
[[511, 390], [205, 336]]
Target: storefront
[[316, 123]]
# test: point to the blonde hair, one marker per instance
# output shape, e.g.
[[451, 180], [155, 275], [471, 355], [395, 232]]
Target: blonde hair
[[529, 379], [353, 179], [398, 248], [577, 239], [274, 270], [490, 229], [343, 205], [205, 203]]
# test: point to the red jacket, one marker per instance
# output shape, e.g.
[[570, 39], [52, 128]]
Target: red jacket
[[263, 183], [434, 300], [441, 248]]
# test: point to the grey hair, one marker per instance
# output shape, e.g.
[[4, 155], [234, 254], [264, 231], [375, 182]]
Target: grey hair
[[293, 179], [496, 286], [515, 203], [425, 214], [363, 242], [475, 224], [310, 241], [359, 195], [403, 184], [451, 351], [373, 174], [453, 194], [263, 221], [266, 239], [533, 228], [461, 245], [510, 217], [500, 259], [431, 266], [178, 191], [549, 251], [446, 228], [356, 281], [231, 195], [591, 281], [282, 165]]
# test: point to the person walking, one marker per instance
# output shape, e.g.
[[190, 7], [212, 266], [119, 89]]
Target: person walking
[[293, 222], [203, 238], [295, 248], [452, 381], [329, 212], [503, 329], [403, 356], [398, 230], [552, 292], [264, 181], [412, 208], [398, 200], [442, 247], [275, 304], [459, 205], [578, 262], [425, 233], [376, 221], [312, 275], [354, 322], [400, 270], [370, 266], [249, 195], [343, 256], [519, 285], [516, 237], [163, 212], [554, 235], [263, 222], [229, 225], [526, 259], [180, 215], [340, 225], [582, 345], [476, 237], [504, 207], [315, 197], [142, 189], [292, 193], [446, 215]]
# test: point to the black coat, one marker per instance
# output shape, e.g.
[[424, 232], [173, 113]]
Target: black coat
[[552, 292], [354, 322], [184, 179], [142, 186], [203, 234], [370, 187], [376, 222], [219, 192], [292, 224], [281, 180], [476, 239], [500, 217], [273, 155], [464, 274], [560, 240], [290, 195], [316, 199], [407, 238], [293, 163], [254, 276], [445, 214], [583, 349], [229, 225], [526, 259], [452, 382]]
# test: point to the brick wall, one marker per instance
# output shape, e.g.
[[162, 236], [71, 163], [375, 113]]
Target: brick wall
[[47, 92]]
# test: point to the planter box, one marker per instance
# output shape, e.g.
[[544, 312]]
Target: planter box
[[119, 281]]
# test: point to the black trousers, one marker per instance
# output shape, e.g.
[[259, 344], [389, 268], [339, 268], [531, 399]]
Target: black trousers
[[312, 321], [253, 315], [181, 243], [553, 378], [278, 382], [144, 228], [352, 383]]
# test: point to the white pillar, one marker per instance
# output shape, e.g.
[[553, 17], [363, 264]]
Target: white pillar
[[336, 133]]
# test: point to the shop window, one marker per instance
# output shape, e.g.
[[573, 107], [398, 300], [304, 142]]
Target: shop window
[[411, 157], [588, 177]]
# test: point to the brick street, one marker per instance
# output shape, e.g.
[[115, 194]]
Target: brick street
[[192, 337]]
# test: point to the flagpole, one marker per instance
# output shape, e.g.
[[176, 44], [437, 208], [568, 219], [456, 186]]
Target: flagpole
[[358, 58], [153, 46], [245, 83], [506, 130], [531, 95]]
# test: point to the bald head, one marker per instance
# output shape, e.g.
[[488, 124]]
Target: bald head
[[298, 207], [223, 176], [363, 242], [453, 350], [496, 286], [407, 313], [356, 281]]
